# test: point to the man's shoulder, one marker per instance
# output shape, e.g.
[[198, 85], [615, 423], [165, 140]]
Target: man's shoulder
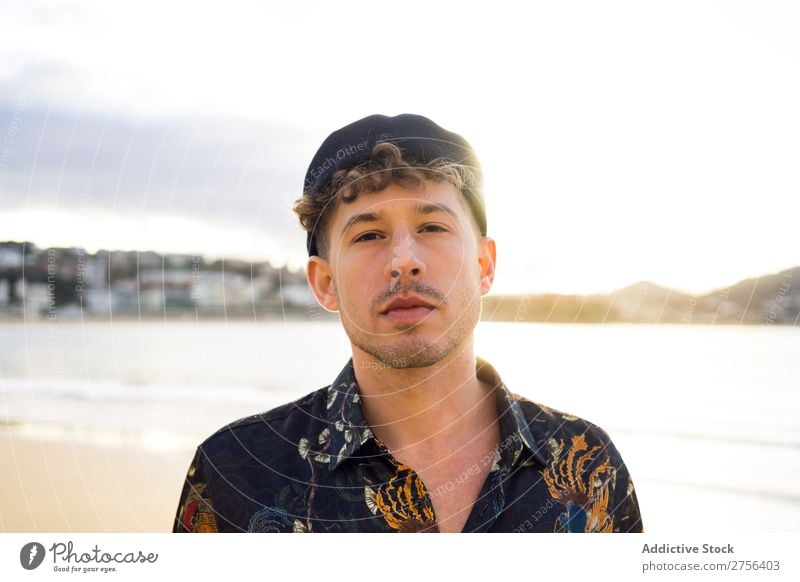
[[278, 422], [557, 429]]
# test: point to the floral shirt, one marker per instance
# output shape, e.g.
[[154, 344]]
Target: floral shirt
[[314, 465]]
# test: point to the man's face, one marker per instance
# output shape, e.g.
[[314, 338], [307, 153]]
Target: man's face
[[397, 244]]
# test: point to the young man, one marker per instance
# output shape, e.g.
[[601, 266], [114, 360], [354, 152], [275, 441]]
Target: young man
[[415, 434]]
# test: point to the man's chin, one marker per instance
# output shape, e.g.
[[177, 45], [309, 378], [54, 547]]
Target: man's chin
[[418, 353], [417, 346]]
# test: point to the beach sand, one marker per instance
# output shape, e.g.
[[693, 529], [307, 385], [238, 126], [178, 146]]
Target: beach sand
[[71, 485], [52, 486]]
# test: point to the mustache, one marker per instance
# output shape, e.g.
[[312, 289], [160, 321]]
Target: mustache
[[414, 287]]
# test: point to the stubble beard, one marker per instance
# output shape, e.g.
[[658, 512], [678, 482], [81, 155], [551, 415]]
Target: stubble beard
[[407, 348]]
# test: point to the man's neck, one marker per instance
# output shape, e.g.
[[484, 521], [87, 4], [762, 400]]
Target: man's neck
[[432, 407]]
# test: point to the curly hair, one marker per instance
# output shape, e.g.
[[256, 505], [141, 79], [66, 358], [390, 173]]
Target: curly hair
[[385, 167]]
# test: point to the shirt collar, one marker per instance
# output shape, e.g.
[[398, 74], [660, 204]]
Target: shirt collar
[[349, 430], [515, 432]]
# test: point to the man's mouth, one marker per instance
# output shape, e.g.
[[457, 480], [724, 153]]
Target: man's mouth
[[403, 303], [407, 309]]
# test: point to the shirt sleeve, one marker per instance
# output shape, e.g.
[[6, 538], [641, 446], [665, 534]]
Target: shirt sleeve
[[195, 509], [624, 505]]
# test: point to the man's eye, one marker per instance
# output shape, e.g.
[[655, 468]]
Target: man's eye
[[436, 226], [365, 236]]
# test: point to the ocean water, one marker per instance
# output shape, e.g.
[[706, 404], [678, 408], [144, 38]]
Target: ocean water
[[705, 417]]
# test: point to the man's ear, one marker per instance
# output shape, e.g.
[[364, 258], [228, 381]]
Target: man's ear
[[487, 257], [318, 273]]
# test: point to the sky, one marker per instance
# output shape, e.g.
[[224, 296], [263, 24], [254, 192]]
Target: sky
[[621, 141]]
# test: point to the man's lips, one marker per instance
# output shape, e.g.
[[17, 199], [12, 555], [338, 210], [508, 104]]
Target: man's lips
[[407, 310], [407, 303]]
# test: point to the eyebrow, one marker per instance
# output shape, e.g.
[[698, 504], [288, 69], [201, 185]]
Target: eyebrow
[[427, 208], [432, 207]]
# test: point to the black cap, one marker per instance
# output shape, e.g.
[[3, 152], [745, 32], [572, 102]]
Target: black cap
[[419, 138]]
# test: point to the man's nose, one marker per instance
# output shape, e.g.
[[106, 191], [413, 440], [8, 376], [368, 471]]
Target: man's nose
[[405, 261]]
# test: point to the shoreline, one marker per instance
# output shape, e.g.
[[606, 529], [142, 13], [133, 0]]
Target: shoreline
[[77, 487]]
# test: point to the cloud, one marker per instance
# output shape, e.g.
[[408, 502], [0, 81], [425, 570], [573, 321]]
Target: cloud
[[224, 171]]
